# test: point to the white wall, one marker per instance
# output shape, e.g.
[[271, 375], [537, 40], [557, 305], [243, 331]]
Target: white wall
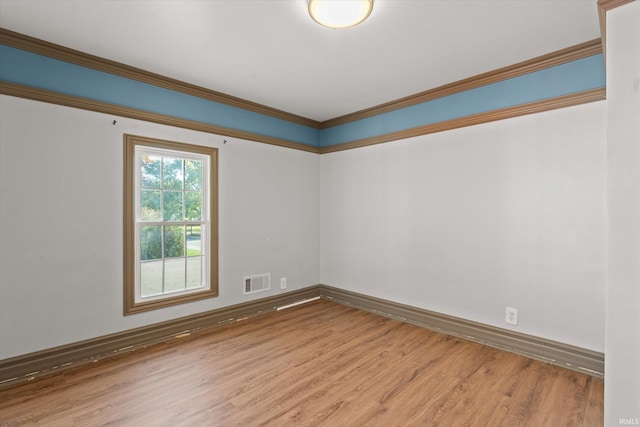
[[463, 222], [622, 363], [469, 221], [61, 222]]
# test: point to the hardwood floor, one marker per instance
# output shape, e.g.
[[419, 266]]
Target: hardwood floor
[[320, 363]]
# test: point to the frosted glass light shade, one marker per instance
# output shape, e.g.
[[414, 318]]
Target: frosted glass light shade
[[340, 13]]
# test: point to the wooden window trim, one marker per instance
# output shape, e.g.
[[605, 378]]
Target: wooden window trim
[[129, 265]]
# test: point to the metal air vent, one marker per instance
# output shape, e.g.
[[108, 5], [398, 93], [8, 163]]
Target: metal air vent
[[256, 283]]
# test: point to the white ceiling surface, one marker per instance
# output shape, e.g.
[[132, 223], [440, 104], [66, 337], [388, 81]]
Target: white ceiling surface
[[272, 53]]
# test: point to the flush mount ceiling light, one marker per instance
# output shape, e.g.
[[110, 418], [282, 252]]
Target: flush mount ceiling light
[[340, 13]]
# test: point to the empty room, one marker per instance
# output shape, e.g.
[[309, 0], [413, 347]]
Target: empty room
[[319, 212]]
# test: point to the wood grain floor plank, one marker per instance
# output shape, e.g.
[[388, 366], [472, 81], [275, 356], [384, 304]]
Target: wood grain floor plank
[[318, 364]]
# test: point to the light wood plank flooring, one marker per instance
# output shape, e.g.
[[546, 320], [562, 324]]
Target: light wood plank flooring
[[320, 363]]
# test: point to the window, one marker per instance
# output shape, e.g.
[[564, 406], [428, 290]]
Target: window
[[170, 223]]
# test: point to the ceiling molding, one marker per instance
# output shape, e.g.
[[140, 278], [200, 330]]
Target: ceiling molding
[[567, 55], [607, 5], [603, 7], [476, 119], [57, 98], [52, 50], [573, 53], [27, 92]]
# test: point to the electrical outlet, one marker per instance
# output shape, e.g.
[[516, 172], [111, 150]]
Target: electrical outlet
[[283, 283], [511, 316]]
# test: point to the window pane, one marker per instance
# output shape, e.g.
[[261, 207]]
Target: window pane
[[150, 278], [194, 272], [150, 242], [193, 175], [194, 243], [174, 275], [172, 208], [150, 205], [172, 173], [150, 171], [174, 241], [193, 206]]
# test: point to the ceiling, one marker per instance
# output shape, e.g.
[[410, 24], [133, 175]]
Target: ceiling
[[272, 53]]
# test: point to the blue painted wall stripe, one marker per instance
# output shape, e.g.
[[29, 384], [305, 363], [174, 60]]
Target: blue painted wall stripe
[[30, 69], [573, 77]]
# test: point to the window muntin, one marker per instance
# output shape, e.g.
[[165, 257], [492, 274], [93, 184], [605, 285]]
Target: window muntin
[[170, 223]]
